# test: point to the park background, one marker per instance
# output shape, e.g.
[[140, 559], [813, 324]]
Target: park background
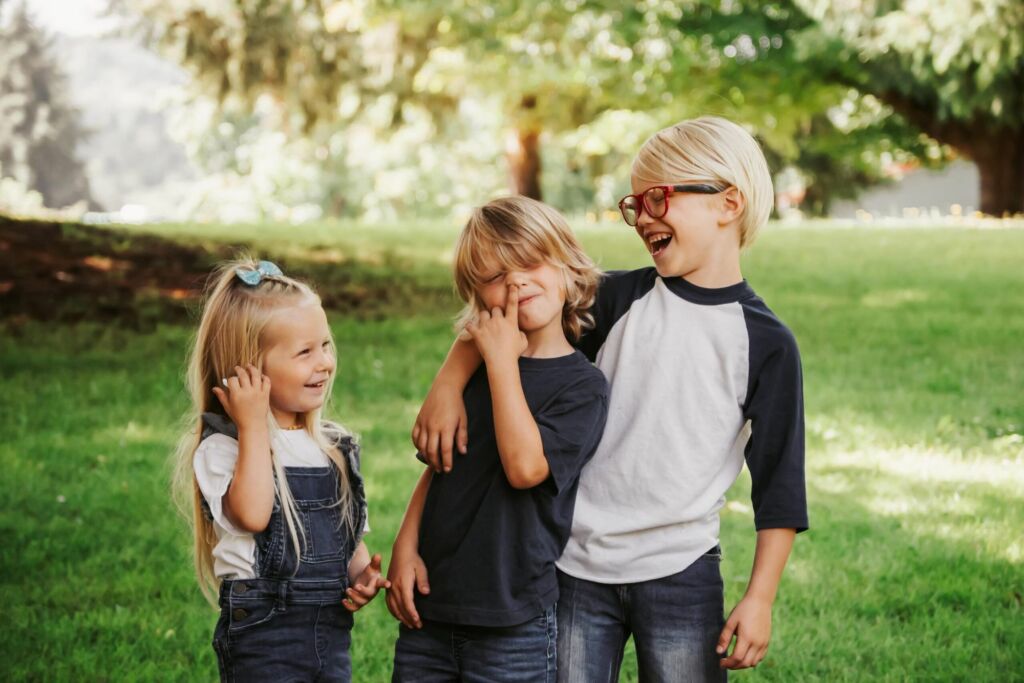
[[143, 141]]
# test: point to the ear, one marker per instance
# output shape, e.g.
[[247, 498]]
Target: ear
[[732, 204]]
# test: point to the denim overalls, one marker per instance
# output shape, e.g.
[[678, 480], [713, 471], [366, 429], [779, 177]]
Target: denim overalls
[[289, 624]]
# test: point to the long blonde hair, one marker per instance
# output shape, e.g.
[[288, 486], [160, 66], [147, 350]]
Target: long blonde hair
[[231, 330], [521, 232]]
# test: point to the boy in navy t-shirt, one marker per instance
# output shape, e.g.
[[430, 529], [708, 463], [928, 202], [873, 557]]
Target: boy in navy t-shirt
[[488, 531]]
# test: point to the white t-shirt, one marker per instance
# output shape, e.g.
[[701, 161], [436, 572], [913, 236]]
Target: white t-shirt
[[234, 556]]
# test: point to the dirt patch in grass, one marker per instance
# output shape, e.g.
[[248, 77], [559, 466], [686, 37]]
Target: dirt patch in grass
[[70, 273]]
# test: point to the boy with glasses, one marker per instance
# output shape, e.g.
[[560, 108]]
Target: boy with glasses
[[703, 376]]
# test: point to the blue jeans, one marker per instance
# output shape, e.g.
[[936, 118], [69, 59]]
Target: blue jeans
[[270, 631], [675, 623], [438, 652]]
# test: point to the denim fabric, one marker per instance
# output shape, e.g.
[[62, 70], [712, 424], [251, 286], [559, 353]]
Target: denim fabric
[[220, 424], [289, 624], [277, 631], [675, 623], [439, 652], [326, 548]]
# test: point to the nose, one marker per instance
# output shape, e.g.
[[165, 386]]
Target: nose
[[643, 220], [326, 361], [516, 278]]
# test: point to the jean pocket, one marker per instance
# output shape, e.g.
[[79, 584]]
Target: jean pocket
[[713, 554], [246, 614], [325, 540]]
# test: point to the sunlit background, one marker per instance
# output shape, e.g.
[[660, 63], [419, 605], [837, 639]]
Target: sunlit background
[[297, 111], [142, 141]]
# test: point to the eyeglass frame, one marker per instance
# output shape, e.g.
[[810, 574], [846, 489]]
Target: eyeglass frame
[[669, 190]]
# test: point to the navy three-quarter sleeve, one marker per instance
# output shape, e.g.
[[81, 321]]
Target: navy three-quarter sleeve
[[775, 407]]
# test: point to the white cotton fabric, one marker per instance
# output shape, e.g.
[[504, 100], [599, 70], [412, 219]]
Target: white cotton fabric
[[234, 556], [648, 501]]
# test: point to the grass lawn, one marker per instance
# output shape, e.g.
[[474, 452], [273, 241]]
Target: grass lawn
[[914, 372]]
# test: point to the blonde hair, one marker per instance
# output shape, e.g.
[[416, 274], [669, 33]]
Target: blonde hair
[[231, 332], [713, 150], [523, 233]]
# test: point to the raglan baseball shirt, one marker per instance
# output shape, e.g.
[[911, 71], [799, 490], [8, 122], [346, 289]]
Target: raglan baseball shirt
[[701, 379]]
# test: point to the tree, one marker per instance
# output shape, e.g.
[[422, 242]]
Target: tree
[[39, 129], [954, 70], [785, 68], [541, 60]]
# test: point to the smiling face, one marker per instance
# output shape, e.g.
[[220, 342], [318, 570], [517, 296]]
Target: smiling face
[[541, 293], [299, 359], [689, 237]]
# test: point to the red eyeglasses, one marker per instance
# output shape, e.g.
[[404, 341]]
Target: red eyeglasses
[[654, 200]]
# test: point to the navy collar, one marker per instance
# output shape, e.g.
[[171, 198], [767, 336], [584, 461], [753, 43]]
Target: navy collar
[[705, 296]]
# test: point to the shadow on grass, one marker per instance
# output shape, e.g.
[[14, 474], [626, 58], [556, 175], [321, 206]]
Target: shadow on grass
[[75, 273], [899, 578]]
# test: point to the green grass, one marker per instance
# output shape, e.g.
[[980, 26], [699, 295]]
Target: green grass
[[914, 370]]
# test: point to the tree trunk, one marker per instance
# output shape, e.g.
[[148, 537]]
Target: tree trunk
[[999, 155], [996, 148], [523, 153]]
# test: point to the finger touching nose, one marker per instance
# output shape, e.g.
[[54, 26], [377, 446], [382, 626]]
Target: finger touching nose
[[516, 278]]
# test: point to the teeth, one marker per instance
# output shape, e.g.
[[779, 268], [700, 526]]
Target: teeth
[[655, 242]]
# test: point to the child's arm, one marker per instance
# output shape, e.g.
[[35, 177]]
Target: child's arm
[[500, 342], [249, 500], [441, 421], [751, 620], [407, 570], [775, 458], [364, 579]]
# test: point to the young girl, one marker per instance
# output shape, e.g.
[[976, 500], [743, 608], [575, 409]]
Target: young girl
[[277, 499], [488, 531]]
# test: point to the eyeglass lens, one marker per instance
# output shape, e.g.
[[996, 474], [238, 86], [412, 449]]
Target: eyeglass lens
[[655, 202]]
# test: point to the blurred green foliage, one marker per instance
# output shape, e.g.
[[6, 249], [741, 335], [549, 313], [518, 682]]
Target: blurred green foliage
[[381, 107]]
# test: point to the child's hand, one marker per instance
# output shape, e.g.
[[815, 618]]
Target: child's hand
[[751, 623], [407, 573], [441, 423], [245, 397], [497, 334], [365, 586]]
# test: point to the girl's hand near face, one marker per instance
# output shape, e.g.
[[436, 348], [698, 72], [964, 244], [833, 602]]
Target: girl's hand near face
[[249, 500], [245, 397], [496, 332]]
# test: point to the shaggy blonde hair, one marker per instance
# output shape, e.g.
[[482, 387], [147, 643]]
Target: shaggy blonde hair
[[522, 233], [231, 332], [711, 150]]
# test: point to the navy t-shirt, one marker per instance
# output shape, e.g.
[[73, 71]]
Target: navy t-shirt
[[490, 549]]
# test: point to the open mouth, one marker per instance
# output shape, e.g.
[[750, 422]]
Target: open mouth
[[317, 385], [658, 242]]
